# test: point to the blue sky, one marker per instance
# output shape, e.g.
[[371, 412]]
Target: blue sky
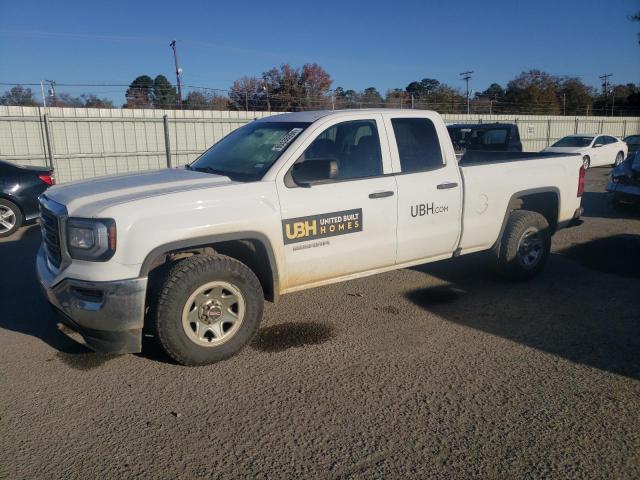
[[360, 43]]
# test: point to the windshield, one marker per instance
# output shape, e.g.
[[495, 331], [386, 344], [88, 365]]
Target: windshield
[[633, 140], [573, 142], [247, 153]]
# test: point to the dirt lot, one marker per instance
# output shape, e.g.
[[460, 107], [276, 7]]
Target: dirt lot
[[439, 371]]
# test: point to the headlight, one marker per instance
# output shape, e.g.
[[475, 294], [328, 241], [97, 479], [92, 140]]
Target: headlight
[[91, 239]]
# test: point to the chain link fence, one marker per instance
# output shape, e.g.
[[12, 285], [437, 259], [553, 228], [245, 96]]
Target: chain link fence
[[83, 143]]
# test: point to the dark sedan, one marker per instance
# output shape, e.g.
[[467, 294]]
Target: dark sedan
[[633, 142], [19, 191]]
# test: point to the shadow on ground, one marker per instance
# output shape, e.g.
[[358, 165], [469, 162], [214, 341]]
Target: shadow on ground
[[283, 336], [573, 312], [599, 205]]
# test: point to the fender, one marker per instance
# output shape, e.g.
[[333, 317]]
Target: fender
[[148, 262], [514, 197]]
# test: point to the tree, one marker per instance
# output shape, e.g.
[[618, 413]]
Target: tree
[[284, 88], [494, 91], [164, 94], [204, 101], [423, 88], [397, 98], [140, 93], [534, 92], [576, 96], [19, 96], [196, 101], [244, 93], [68, 100], [92, 101], [635, 18], [315, 82], [370, 97]]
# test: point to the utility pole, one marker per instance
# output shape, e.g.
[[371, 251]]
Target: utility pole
[[605, 88], [613, 101], [44, 99], [466, 76], [178, 73], [265, 87], [52, 90], [564, 104]]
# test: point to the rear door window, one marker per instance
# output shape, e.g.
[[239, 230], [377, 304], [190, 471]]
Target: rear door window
[[418, 144]]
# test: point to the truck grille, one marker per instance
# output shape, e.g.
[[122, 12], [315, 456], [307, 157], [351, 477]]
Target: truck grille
[[51, 235]]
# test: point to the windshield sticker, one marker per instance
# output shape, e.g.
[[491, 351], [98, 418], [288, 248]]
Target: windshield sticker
[[284, 141], [324, 225]]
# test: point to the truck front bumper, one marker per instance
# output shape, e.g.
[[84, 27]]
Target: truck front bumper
[[108, 315]]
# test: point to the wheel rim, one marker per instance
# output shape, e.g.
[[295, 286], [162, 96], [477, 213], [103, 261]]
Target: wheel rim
[[7, 219], [585, 163], [213, 313], [619, 159], [530, 248]]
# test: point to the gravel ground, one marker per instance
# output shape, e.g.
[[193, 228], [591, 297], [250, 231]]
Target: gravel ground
[[440, 371]]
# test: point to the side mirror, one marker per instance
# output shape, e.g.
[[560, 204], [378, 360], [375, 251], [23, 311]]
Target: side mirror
[[596, 145], [312, 171]]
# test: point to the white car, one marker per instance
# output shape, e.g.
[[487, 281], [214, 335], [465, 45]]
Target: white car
[[596, 150]]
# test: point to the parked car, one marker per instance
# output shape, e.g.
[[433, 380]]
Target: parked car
[[596, 150], [633, 142], [624, 181], [19, 191], [282, 204], [494, 137]]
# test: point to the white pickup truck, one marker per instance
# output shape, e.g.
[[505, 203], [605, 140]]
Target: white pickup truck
[[287, 203]]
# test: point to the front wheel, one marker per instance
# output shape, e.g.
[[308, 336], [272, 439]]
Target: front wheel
[[525, 245], [586, 162], [209, 307]]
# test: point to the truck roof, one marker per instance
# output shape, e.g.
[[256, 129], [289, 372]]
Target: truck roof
[[312, 116]]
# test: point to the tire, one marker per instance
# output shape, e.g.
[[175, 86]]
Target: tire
[[515, 260], [619, 159], [10, 218], [586, 162], [199, 328]]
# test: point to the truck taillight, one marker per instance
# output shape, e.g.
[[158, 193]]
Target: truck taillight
[[48, 179], [581, 181]]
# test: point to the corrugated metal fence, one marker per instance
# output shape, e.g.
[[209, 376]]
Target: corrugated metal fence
[[83, 143]]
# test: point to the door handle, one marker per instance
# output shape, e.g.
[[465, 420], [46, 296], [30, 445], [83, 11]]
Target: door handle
[[388, 193], [445, 186]]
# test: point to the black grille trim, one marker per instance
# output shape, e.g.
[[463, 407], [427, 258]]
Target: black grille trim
[[50, 226]]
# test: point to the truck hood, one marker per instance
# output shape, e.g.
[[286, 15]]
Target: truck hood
[[89, 197]]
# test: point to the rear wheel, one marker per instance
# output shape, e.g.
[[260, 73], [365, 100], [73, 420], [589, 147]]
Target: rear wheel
[[586, 162], [208, 308], [10, 218], [619, 159], [525, 245]]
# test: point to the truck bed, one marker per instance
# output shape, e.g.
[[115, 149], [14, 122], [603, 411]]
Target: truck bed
[[478, 157]]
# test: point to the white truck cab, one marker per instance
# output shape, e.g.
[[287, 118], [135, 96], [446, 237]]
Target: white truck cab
[[282, 204]]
